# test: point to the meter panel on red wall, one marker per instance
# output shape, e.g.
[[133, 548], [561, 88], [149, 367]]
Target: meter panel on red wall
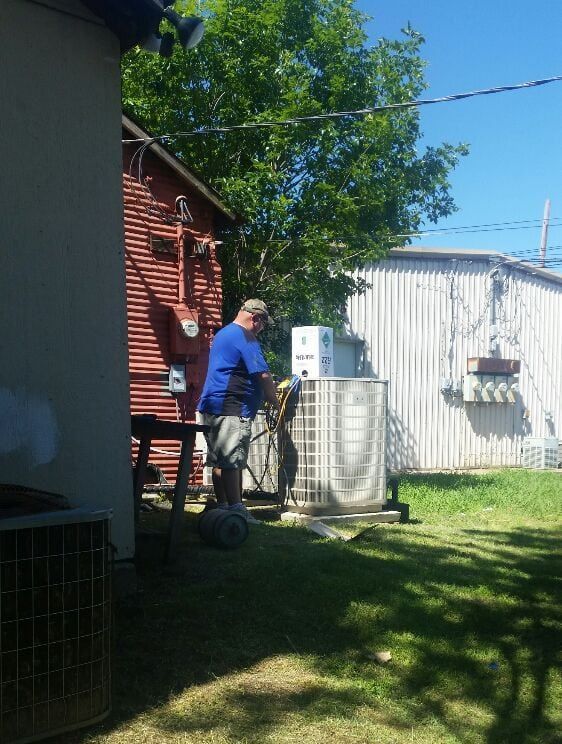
[[184, 331]]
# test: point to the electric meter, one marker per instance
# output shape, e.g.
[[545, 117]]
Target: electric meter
[[189, 328], [184, 330]]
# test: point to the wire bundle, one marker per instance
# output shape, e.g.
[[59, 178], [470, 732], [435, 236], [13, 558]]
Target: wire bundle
[[273, 420], [155, 208], [274, 416], [342, 114]]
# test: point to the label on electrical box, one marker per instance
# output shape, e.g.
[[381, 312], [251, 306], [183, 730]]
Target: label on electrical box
[[313, 351]]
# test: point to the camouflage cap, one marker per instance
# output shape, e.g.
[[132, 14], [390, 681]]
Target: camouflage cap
[[258, 307]]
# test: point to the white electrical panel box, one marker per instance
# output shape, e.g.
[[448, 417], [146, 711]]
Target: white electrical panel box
[[313, 351], [481, 388], [177, 382]]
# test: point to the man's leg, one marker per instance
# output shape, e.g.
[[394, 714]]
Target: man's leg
[[231, 480], [218, 485], [234, 440]]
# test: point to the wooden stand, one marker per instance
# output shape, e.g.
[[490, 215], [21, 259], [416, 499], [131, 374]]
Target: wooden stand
[[145, 429]]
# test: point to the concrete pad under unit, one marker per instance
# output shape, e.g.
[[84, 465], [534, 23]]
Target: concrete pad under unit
[[380, 517]]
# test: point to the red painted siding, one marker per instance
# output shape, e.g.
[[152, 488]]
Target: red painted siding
[[152, 289]]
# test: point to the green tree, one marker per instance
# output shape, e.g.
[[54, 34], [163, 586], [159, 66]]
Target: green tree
[[318, 198]]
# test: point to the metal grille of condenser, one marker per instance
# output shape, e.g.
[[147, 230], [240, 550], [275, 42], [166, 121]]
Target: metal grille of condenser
[[55, 612], [261, 473], [540, 453], [333, 447]]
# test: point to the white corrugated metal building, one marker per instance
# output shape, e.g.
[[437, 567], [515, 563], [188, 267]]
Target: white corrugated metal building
[[425, 312]]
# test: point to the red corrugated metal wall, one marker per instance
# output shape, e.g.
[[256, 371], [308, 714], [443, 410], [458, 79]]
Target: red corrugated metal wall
[[152, 289]]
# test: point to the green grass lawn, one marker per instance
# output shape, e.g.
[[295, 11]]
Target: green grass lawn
[[274, 642]]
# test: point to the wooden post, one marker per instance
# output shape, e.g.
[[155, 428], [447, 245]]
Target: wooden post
[[140, 473], [178, 504]]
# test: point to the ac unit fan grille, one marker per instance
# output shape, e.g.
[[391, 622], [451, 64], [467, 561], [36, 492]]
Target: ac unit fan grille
[[334, 446], [540, 453], [55, 605]]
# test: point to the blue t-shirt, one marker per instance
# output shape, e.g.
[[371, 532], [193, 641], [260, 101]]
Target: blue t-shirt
[[231, 387]]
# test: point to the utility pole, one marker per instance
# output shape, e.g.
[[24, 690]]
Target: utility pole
[[544, 236]]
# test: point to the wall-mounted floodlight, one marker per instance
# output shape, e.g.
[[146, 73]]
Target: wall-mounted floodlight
[[189, 29], [161, 44]]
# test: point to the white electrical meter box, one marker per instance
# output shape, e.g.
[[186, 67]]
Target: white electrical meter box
[[177, 382], [313, 351]]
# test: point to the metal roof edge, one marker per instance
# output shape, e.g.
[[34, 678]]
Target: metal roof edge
[[180, 169], [474, 254]]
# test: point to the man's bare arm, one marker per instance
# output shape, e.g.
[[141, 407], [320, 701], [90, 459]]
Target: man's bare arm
[[268, 387]]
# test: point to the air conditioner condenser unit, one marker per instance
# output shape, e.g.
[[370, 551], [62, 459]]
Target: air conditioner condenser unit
[[55, 622], [540, 453], [333, 447]]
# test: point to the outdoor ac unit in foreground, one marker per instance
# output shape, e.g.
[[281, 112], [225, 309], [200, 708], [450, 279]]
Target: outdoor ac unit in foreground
[[333, 447], [540, 453], [55, 611]]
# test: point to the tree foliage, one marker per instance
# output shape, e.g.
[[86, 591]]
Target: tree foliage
[[319, 198]]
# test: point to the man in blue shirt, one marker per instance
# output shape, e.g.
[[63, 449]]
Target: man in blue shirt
[[238, 379]]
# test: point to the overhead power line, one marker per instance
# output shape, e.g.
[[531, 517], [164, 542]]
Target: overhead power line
[[419, 234], [457, 231], [536, 222], [342, 114], [534, 256]]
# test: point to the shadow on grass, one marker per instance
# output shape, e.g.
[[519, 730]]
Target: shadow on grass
[[450, 609]]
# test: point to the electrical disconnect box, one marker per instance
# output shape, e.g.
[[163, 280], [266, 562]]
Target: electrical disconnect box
[[451, 387], [481, 388], [177, 382]]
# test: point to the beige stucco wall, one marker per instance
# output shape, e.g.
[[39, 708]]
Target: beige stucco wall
[[64, 402]]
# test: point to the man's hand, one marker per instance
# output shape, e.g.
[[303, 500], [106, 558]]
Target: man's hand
[[269, 389]]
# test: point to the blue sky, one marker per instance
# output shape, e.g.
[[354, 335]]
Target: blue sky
[[515, 138]]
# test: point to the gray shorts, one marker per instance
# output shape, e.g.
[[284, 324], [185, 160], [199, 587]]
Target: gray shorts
[[228, 440]]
